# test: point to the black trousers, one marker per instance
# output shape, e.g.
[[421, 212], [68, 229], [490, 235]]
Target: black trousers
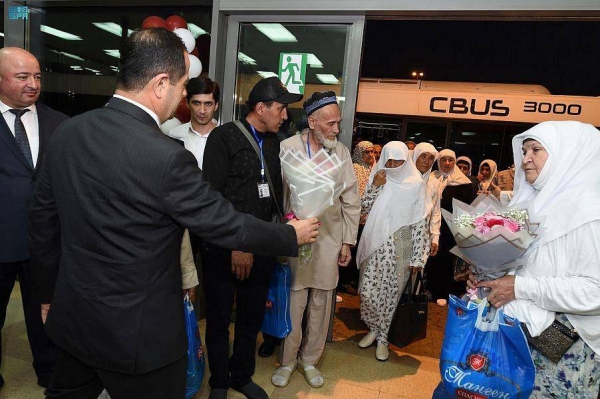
[[42, 348], [221, 288], [74, 379]]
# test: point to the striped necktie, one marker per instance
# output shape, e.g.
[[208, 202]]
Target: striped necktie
[[21, 135]]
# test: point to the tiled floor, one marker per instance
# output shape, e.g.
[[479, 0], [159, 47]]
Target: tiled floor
[[350, 372]]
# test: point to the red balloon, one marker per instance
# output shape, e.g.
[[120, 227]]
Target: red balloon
[[183, 112], [154, 22], [195, 52], [175, 21]]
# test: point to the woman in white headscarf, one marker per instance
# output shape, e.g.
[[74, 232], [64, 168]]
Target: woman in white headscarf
[[440, 268], [487, 176], [557, 176], [424, 156], [394, 240]]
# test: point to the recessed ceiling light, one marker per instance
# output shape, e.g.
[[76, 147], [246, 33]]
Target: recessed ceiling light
[[460, 142], [73, 56], [266, 74], [245, 59], [417, 134], [111, 27], [276, 32], [469, 133], [328, 78], [196, 30], [113, 53], [313, 61], [59, 33], [93, 70]]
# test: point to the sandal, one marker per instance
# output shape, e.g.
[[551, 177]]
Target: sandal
[[281, 376], [312, 375]]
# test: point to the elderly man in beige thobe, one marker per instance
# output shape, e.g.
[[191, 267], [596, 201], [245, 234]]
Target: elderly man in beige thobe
[[313, 284]]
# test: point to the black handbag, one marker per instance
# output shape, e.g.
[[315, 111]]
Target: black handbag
[[410, 319], [554, 341]]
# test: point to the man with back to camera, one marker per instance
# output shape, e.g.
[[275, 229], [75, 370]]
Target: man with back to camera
[[313, 284], [25, 129], [106, 224], [239, 170]]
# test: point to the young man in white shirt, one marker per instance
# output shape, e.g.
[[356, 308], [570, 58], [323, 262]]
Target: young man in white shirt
[[203, 101]]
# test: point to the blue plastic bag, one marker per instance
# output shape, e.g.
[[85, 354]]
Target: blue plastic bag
[[483, 358], [195, 354], [277, 320]]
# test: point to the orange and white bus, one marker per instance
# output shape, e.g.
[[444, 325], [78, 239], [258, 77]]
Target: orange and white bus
[[477, 120]]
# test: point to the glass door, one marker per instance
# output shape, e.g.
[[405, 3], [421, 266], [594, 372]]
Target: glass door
[[332, 61]]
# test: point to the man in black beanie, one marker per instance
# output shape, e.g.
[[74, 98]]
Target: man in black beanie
[[239, 158]]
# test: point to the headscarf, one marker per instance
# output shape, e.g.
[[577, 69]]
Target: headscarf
[[567, 191], [362, 170], [420, 149], [357, 154], [402, 201], [467, 160], [485, 184], [453, 178]]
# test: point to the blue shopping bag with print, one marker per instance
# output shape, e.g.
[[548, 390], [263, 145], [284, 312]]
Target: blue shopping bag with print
[[195, 354], [484, 354], [277, 320]]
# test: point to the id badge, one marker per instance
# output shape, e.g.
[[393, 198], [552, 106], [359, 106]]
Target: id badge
[[263, 190]]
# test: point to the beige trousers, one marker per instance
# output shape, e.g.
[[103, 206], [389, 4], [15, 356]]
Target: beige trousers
[[309, 345]]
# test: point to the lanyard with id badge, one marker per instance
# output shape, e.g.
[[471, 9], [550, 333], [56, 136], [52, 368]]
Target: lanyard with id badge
[[263, 186]]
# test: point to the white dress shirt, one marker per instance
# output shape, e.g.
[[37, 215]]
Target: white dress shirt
[[32, 128], [193, 141]]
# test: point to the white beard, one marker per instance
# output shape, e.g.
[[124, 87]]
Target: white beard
[[328, 144]]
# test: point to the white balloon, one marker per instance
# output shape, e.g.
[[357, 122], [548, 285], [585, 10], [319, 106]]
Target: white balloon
[[187, 38], [170, 124], [195, 66]]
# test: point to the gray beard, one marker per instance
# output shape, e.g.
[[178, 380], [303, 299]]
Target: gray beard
[[328, 144]]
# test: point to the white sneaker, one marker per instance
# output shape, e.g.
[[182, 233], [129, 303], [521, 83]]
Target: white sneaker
[[338, 299], [367, 340], [442, 302], [382, 352]]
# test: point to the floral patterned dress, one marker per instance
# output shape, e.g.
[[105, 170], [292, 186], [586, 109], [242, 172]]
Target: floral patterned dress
[[574, 377], [384, 273]]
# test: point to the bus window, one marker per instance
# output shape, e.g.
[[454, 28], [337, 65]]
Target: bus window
[[434, 133]]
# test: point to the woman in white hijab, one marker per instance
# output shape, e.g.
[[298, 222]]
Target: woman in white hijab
[[424, 156], [440, 268], [394, 240], [487, 176], [557, 176]]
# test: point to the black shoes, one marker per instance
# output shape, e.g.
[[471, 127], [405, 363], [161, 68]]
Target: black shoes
[[219, 393], [266, 349], [252, 391]]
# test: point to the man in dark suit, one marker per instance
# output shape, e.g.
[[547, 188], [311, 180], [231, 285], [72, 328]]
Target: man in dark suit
[[106, 224], [25, 128]]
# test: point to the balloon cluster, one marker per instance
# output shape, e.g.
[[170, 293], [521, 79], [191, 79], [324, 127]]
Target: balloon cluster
[[179, 26]]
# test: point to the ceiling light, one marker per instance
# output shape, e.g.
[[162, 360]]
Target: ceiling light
[[417, 134], [495, 144], [460, 142], [411, 137], [313, 61], [196, 30], [113, 53], [59, 33], [245, 59], [111, 27], [73, 56], [93, 70], [276, 32], [1, 34], [469, 133], [76, 67], [328, 78], [266, 74]]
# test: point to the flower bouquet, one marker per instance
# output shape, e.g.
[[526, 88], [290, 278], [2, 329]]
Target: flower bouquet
[[490, 236], [314, 185]]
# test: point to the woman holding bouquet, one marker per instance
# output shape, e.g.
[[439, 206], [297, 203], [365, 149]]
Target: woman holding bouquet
[[394, 241], [560, 282], [440, 269]]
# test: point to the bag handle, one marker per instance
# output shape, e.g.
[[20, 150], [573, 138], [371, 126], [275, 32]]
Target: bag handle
[[246, 133], [418, 288]]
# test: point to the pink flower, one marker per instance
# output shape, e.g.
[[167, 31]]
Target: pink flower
[[489, 220], [512, 225]]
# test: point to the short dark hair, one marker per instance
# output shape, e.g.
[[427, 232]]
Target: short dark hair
[[202, 86], [147, 53]]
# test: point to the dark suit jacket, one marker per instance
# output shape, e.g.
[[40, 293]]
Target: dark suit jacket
[[106, 223], [17, 180]]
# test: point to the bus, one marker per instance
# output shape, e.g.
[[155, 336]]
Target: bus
[[477, 120]]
